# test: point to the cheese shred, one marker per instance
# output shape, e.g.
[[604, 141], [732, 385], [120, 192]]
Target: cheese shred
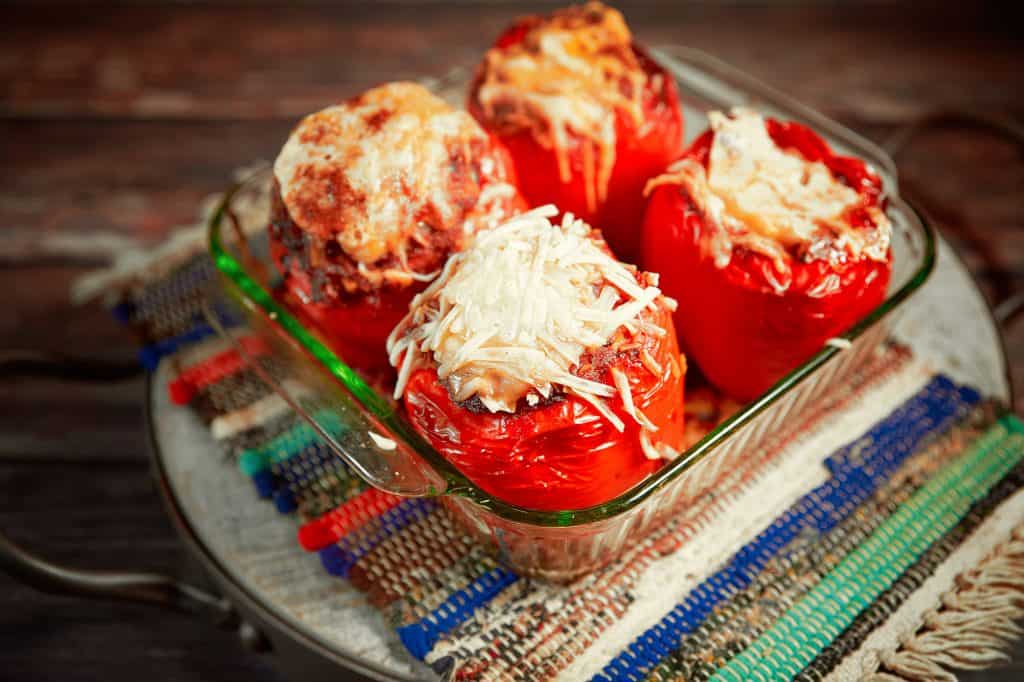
[[766, 199], [511, 317], [567, 79]]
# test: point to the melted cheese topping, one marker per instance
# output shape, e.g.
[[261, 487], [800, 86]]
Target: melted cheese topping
[[769, 199], [375, 172], [511, 317], [568, 76]]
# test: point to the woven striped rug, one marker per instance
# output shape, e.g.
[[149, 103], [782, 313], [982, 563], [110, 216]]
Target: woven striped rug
[[883, 536]]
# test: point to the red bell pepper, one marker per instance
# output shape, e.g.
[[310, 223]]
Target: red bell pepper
[[353, 316], [740, 330], [642, 150], [562, 454]]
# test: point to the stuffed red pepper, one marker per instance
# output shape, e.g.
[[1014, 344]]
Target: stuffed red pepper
[[370, 197], [587, 115], [771, 242], [542, 368]]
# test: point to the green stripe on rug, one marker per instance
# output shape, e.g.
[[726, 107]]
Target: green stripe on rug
[[824, 612], [284, 445]]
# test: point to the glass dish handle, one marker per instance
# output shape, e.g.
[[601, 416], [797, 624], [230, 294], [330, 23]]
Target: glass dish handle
[[363, 441]]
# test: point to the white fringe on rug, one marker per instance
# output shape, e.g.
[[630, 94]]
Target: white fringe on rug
[[974, 625], [959, 618]]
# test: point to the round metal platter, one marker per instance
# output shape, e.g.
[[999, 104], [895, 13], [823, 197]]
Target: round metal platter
[[318, 624]]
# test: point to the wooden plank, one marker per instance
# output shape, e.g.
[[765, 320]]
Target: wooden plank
[[133, 179], [876, 63], [108, 519]]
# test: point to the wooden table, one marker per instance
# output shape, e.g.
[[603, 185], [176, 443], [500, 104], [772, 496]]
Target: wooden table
[[116, 121]]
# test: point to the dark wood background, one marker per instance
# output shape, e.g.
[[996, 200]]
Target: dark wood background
[[116, 120]]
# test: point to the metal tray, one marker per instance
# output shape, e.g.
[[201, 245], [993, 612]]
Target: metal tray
[[321, 628]]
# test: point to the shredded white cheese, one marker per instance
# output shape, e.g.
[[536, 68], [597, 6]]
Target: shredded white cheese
[[768, 199], [622, 384], [655, 451], [510, 317], [566, 80], [838, 342]]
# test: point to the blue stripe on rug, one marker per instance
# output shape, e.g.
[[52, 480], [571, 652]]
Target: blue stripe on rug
[[857, 469], [339, 559], [420, 637], [150, 355], [298, 469], [265, 484]]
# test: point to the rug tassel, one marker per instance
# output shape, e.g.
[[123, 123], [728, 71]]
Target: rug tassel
[[972, 628]]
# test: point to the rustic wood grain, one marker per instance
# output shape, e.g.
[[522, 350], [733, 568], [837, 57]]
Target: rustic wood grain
[[116, 120], [100, 518], [136, 179], [873, 62]]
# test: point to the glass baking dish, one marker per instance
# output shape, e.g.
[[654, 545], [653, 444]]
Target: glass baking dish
[[367, 429]]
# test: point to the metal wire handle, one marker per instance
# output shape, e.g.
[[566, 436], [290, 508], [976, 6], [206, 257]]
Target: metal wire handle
[[154, 589], [145, 588], [1007, 310]]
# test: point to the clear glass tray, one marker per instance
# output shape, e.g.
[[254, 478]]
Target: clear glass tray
[[369, 432]]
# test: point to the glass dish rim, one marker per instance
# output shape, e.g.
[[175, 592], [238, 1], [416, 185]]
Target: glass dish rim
[[457, 483]]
